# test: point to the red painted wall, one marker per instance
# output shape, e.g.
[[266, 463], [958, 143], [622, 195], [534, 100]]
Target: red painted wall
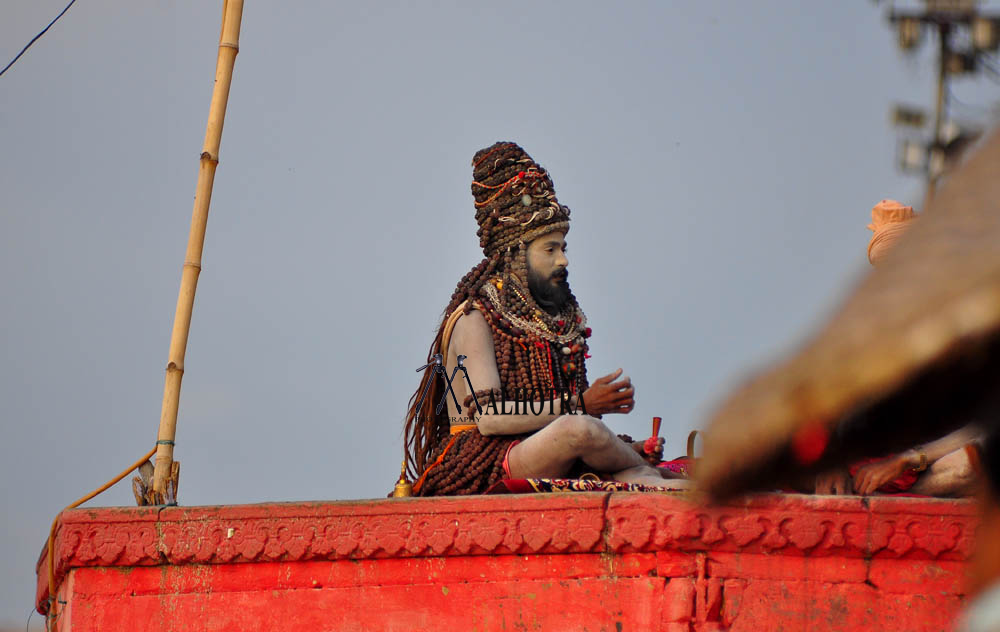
[[595, 561]]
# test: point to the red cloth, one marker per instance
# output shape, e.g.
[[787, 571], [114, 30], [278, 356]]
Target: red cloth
[[901, 484], [681, 465]]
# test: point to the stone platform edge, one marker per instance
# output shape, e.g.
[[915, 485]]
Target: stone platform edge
[[599, 522]]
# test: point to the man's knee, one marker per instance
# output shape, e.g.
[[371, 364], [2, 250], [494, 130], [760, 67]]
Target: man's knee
[[951, 475], [584, 431], [956, 466]]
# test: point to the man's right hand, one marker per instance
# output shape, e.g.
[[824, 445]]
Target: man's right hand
[[870, 477], [606, 395]]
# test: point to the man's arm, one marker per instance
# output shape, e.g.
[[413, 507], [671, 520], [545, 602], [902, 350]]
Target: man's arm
[[472, 338], [951, 442], [872, 476]]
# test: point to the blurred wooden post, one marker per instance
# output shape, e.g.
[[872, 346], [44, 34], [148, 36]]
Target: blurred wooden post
[[229, 43]]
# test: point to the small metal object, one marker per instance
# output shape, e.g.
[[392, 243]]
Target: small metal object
[[403, 488]]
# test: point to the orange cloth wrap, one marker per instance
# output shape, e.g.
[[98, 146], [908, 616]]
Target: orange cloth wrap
[[889, 220], [455, 431]]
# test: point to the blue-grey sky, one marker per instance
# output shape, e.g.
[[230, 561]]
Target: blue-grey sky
[[720, 160]]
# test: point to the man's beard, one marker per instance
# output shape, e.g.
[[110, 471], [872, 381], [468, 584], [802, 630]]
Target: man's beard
[[550, 292]]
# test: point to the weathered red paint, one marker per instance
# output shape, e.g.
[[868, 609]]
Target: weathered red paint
[[544, 562]]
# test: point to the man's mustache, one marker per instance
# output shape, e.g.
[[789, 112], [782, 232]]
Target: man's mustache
[[560, 275]]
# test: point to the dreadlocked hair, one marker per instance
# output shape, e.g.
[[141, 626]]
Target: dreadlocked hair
[[477, 460], [514, 199], [524, 364], [478, 464], [424, 428], [515, 203]]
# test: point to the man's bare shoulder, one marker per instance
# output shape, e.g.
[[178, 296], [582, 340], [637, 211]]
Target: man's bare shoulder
[[472, 324]]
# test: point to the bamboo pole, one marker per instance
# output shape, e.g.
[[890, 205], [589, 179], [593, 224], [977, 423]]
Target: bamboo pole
[[229, 43]]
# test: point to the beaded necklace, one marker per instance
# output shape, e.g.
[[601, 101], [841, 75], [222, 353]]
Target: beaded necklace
[[536, 352]]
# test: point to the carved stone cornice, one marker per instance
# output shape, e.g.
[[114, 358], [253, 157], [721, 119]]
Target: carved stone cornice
[[797, 525], [510, 525]]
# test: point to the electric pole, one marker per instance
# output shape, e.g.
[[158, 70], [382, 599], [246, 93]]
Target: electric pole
[[933, 157]]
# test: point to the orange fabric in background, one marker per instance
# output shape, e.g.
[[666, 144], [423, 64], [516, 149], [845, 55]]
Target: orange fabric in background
[[975, 458], [889, 220]]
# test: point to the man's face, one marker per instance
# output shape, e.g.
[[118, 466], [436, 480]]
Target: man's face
[[547, 274]]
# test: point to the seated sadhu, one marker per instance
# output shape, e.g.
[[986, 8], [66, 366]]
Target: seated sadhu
[[945, 467], [524, 338]]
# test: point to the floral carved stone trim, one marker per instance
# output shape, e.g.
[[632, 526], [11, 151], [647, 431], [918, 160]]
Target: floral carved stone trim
[[797, 525], [510, 525]]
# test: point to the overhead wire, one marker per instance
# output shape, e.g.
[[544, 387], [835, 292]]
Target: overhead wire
[[35, 38]]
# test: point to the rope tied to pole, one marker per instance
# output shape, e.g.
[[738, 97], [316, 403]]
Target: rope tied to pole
[[51, 615]]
